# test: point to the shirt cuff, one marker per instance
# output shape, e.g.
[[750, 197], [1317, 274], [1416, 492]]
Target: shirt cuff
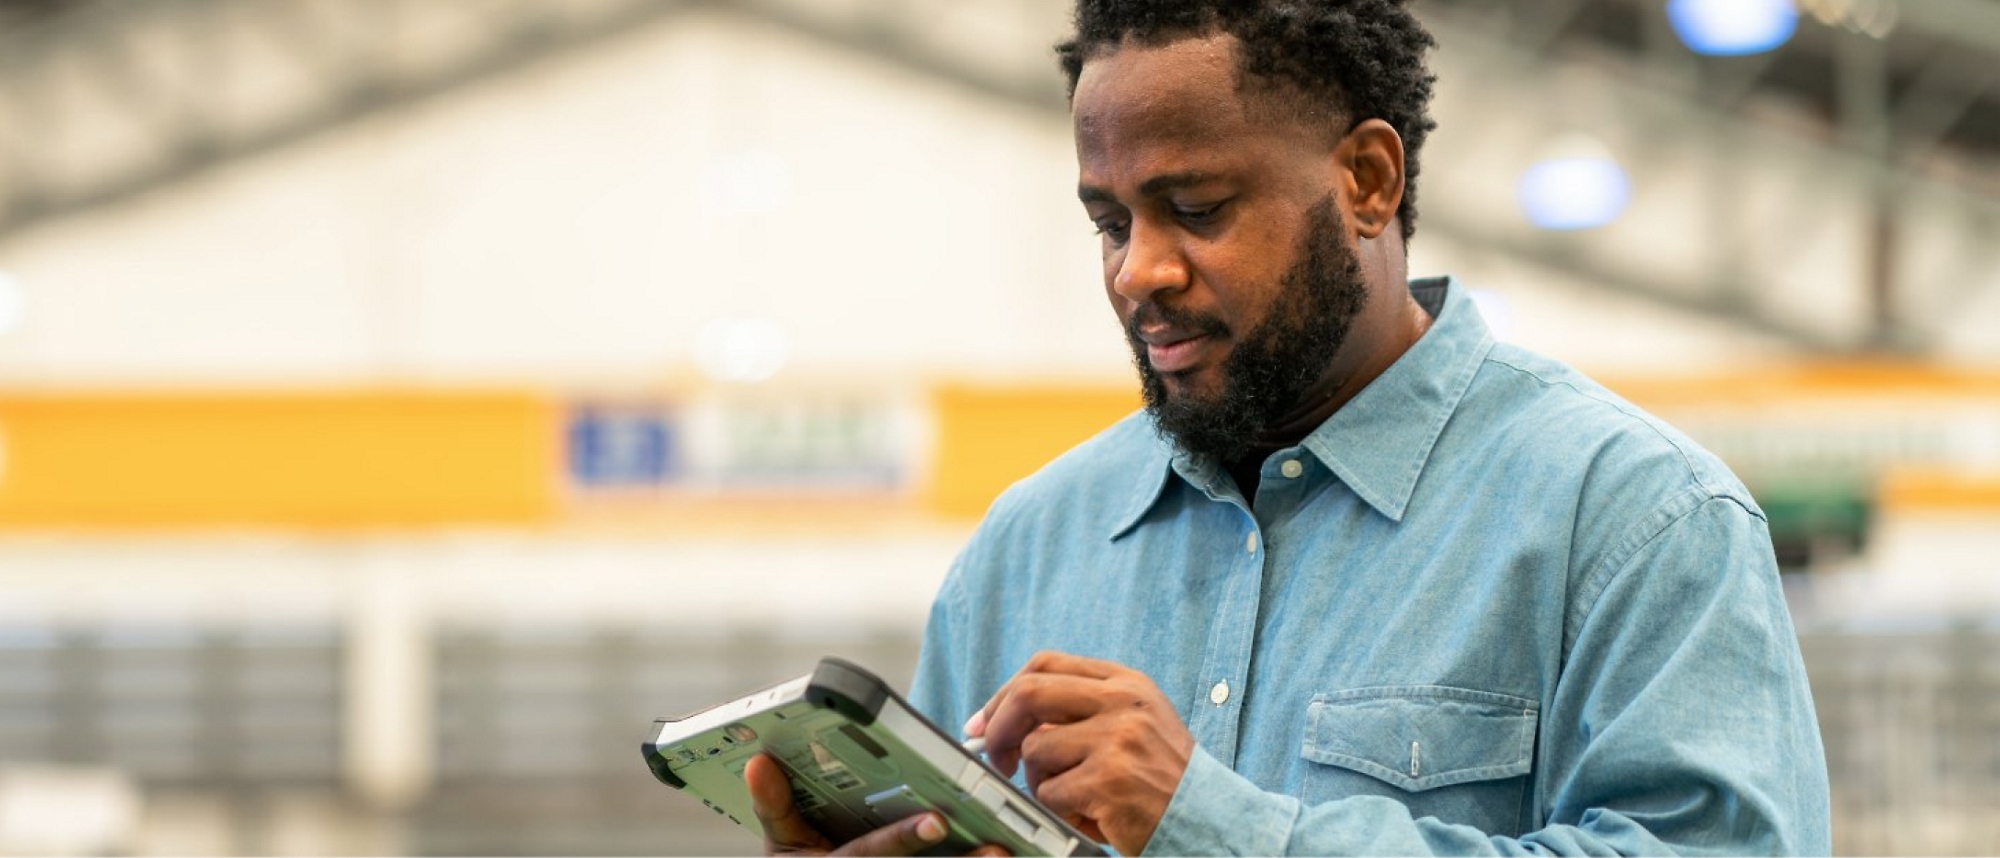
[[1216, 811]]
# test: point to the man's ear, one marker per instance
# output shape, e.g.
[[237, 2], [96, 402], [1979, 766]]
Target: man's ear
[[1371, 164]]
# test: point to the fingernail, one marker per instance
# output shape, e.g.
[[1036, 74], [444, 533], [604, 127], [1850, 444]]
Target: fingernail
[[930, 829], [975, 725]]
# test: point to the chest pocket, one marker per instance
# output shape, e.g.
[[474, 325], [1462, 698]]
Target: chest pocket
[[1413, 741]]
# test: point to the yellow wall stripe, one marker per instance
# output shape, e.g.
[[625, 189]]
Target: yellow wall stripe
[[989, 436], [417, 458], [1906, 490], [332, 459], [1764, 386]]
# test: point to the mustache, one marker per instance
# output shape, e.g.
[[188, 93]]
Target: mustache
[[1154, 315]]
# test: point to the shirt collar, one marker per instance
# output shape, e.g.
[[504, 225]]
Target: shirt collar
[[1380, 440]]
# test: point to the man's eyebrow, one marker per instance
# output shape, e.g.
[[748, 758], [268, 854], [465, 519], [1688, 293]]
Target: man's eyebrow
[[1172, 181], [1151, 187]]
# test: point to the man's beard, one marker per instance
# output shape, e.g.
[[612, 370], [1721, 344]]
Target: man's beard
[[1269, 368]]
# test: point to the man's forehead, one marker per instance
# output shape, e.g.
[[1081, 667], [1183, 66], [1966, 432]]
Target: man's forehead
[[1187, 86]]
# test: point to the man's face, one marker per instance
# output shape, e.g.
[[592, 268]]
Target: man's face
[[1224, 251]]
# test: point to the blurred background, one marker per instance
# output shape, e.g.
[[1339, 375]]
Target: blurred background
[[403, 402]]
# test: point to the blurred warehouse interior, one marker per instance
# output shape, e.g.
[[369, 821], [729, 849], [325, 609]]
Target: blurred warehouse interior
[[403, 402]]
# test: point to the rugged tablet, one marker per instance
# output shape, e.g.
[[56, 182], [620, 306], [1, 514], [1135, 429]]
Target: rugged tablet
[[859, 758]]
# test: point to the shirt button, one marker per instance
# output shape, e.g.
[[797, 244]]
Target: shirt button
[[1250, 545], [1291, 469], [1219, 694]]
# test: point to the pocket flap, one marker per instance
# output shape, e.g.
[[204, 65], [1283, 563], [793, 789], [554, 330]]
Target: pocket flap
[[1420, 737]]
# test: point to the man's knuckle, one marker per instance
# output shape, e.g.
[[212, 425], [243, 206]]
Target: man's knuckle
[[1029, 697], [1127, 735]]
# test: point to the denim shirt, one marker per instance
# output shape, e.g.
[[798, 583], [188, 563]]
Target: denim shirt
[[1486, 607]]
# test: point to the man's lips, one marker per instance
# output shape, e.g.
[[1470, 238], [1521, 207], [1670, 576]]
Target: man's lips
[[1174, 352]]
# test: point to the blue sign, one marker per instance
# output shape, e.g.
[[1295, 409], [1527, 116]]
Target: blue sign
[[621, 447]]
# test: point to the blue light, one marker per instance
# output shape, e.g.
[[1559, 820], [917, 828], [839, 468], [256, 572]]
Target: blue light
[[1573, 193], [1732, 28]]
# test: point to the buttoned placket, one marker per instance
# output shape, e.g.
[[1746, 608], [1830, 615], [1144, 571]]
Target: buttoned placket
[[1215, 719]]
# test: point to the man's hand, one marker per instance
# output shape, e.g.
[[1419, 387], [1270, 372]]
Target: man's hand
[[1102, 745], [786, 831]]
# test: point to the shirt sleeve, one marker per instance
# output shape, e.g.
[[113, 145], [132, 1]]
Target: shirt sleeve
[[934, 691], [1682, 724]]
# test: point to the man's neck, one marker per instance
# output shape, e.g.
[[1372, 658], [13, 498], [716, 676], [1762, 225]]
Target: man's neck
[[1379, 347], [1376, 348]]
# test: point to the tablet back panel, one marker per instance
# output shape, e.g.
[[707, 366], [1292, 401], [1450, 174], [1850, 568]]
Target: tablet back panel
[[858, 758]]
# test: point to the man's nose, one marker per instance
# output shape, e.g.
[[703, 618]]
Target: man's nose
[[1152, 264]]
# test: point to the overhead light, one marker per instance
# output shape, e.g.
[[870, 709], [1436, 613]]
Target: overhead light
[[741, 350], [1732, 28], [13, 303], [1576, 185]]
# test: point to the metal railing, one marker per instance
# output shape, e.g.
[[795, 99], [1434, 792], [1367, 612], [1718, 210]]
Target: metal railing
[[1910, 715], [174, 705], [537, 730]]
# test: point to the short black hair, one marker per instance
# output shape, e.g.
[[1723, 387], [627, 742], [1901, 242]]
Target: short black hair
[[1362, 58]]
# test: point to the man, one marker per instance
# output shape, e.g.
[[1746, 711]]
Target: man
[[1359, 580]]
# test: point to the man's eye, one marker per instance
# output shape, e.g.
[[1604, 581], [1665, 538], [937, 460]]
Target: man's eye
[[1114, 229], [1201, 216]]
